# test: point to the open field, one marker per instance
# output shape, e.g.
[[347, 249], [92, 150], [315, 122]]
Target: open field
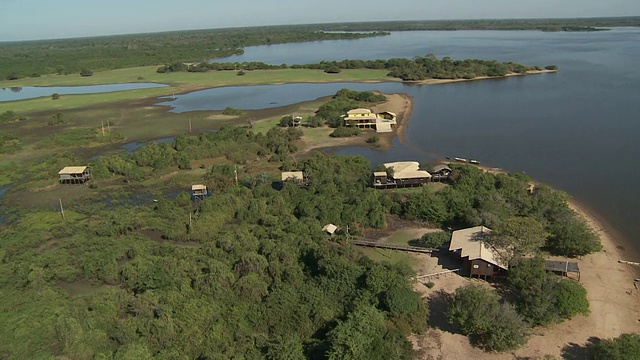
[[180, 82]]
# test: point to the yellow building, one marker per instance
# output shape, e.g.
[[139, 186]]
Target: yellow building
[[366, 119]]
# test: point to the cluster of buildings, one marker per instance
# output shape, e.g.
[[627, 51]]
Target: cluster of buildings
[[408, 174], [481, 260]]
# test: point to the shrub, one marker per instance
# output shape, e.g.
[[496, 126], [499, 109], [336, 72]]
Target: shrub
[[86, 72], [55, 96], [434, 239], [374, 139], [624, 347], [491, 325], [232, 111], [551, 67], [343, 131]]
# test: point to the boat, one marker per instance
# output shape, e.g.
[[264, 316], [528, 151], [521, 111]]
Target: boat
[[460, 159], [474, 162]]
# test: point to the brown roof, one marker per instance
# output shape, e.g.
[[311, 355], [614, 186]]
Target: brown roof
[[72, 170]]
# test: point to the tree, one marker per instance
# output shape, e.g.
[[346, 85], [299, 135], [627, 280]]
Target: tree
[[516, 237], [432, 239], [55, 96], [624, 347], [86, 72], [542, 297], [491, 325], [56, 119], [571, 236], [286, 121], [12, 76]]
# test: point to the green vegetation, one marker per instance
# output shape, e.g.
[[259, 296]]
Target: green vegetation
[[231, 111], [246, 272], [343, 131], [432, 239], [20, 59], [68, 56], [523, 223], [344, 100], [574, 24], [624, 347], [543, 298], [429, 67], [491, 325]]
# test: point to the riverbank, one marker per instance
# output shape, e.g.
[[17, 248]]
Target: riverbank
[[448, 81], [614, 301]]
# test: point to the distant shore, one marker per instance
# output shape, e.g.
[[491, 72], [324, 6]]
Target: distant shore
[[447, 81]]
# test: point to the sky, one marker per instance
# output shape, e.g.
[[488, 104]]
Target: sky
[[48, 19]]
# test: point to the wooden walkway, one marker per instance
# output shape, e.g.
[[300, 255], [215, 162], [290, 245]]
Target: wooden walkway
[[379, 245]]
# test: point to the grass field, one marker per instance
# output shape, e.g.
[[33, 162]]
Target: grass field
[[180, 82], [204, 79]]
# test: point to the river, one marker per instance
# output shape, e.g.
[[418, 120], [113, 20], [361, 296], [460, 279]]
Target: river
[[577, 130]]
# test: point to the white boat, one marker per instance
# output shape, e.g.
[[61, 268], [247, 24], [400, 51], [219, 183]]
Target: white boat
[[460, 159]]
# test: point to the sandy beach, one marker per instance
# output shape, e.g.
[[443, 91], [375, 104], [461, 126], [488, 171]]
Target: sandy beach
[[614, 301]]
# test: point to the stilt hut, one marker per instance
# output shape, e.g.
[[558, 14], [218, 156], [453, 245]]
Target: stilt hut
[[74, 175], [199, 191]]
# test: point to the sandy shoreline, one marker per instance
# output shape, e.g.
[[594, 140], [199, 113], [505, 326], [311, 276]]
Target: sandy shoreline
[[614, 301]]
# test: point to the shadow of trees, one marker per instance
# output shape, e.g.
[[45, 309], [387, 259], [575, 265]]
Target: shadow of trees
[[438, 305], [573, 351]]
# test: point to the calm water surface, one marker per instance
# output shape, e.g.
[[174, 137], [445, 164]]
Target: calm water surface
[[30, 92], [577, 130]]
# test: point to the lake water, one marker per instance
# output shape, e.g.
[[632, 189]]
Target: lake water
[[577, 130], [30, 92]]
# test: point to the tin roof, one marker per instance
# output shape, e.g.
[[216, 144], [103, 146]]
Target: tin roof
[[292, 175], [198, 187], [407, 170], [330, 228], [72, 170], [470, 243]]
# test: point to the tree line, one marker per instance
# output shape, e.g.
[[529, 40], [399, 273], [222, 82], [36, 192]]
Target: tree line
[[67, 56], [418, 68]]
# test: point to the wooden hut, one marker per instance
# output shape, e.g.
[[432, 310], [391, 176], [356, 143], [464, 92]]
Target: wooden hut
[[479, 259], [74, 175], [296, 176], [199, 191], [330, 229], [405, 174], [440, 172], [563, 268]]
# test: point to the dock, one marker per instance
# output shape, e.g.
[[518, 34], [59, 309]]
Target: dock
[[375, 244]]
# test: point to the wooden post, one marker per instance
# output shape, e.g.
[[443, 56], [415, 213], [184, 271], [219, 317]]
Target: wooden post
[[102, 126], [61, 208], [189, 125], [236, 174]]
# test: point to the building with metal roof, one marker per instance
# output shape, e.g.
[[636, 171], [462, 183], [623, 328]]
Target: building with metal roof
[[480, 259], [74, 174]]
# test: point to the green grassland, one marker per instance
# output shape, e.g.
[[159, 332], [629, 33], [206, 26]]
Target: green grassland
[[179, 82]]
